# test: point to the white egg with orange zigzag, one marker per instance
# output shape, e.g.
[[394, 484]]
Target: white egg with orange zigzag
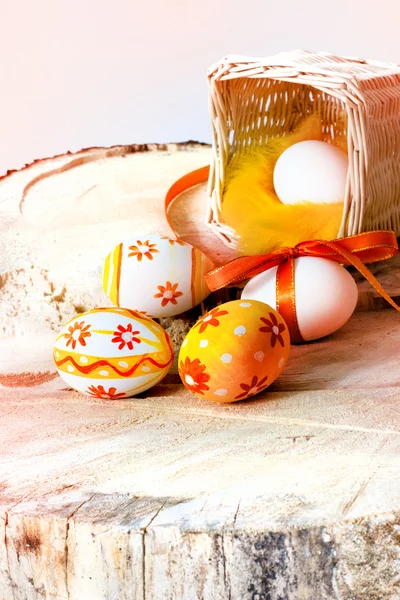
[[112, 353]]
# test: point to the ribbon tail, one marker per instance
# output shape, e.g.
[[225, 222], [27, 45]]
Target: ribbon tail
[[359, 265]]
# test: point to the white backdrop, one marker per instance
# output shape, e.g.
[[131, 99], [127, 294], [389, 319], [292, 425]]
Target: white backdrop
[[78, 73]]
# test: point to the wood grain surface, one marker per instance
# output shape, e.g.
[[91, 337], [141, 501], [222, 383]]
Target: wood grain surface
[[293, 495]]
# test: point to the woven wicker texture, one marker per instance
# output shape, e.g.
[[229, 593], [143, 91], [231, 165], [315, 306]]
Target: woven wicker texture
[[253, 100]]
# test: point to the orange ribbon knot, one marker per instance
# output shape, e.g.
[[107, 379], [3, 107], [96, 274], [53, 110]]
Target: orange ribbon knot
[[356, 250]]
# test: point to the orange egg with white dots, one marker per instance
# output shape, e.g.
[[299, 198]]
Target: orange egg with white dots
[[234, 351]]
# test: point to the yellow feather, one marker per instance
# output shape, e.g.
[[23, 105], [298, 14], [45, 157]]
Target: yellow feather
[[251, 207]]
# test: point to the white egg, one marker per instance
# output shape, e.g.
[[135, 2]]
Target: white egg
[[311, 171], [155, 274], [326, 295]]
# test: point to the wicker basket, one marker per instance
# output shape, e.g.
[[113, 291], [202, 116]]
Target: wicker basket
[[252, 100]]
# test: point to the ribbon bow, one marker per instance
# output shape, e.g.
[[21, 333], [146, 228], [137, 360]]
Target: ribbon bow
[[355, 250]]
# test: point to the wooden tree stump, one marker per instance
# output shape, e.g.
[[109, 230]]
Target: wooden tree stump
[[293, 495]]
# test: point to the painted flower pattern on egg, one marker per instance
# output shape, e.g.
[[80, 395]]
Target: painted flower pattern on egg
[[274, 328], [227, 356], [100, 392], [211, 319], [143, 249], [168, 293], [194, 375], [77, 334], [252, 388], [125, 336]]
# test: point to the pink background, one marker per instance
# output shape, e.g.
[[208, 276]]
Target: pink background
[[77, 73]]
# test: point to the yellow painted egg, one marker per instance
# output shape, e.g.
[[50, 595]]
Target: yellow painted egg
[[112, 353], [234, 351], [156, 274]]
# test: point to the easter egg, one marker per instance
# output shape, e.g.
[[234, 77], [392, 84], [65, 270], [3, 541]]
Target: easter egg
[[155, 274], [311, 171], [234, 351], [325, 293], [112, 353]]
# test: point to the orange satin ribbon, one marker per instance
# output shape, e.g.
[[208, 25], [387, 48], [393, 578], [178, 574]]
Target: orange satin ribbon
[[355, 250], [182, 185]]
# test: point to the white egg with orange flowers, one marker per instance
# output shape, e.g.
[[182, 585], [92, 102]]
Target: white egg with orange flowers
[[112, 353], [153, 273]]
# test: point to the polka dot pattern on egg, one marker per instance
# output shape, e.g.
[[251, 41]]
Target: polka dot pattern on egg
[[240, 330], [220, 392], [226, 358], [234, 351]]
